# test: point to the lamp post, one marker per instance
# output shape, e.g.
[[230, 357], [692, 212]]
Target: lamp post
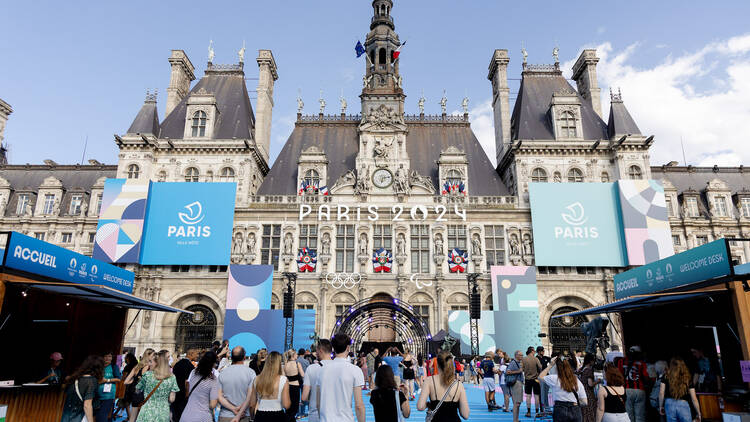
[[473, 285], [291, 287]]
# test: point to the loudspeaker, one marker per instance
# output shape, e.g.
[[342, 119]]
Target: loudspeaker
[[475, 306], [288, 304]]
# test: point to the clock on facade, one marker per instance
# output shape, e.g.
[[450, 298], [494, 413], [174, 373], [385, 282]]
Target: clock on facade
[[382, 178]]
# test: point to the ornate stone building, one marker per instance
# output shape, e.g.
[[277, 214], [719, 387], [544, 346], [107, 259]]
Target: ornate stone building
[[347, 185]]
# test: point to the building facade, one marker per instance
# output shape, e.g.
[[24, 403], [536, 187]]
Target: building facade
[[347, 185]]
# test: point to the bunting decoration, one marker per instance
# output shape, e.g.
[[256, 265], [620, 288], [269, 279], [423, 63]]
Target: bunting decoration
[[454, 188], [306, 188], [307, 259], [457, 260], [382, 261]]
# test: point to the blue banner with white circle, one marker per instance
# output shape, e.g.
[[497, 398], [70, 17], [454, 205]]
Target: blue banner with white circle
[[189, 224]]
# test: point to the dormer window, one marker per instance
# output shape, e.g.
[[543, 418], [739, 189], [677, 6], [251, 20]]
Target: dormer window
[[455, 177], [538, 175], [567, 122], [192, 174], [134, 171], [49, 204], [745, 204], [575, 175], [198, 126], [227, 174], [634, 173], [23, 203], [312, 178], [720, 202], [692, 206], [75, 204]]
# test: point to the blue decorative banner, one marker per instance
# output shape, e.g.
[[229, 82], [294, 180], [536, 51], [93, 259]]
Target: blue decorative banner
[[705, 262], [189, 224], [38, 257]]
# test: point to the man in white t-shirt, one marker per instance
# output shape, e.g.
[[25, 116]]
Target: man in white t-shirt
[[339, 381], [311, 388]]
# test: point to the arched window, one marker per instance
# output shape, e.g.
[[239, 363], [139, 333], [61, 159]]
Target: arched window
[[565, 333], [227, 174], [162, 176], [634, 172], [381, 57], [134, 171], [191, 174], [575, 175], [312, 178], [372, 57], [538, 175], [605, 177], [199, 123], [454, 177], [196, 331], [568, 125]]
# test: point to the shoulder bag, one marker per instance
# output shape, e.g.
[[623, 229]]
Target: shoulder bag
[[431, 413], [398, 408], [140, 404], [80, 397]]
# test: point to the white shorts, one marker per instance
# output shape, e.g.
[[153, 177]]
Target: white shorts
[[489, 384]]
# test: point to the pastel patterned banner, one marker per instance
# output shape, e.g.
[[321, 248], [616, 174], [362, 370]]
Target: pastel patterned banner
[[648, 237], [250, 322], [120, 231], [513, 324]]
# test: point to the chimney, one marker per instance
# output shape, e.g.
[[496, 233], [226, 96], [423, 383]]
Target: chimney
[[179, 80], [584, 73], [5, 111], [264, 106], [500, 101]]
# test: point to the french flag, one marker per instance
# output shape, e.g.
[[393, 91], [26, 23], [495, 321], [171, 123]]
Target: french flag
[[398, 51]]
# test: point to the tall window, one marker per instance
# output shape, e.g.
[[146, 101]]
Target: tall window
[[92, 237], [39, 235], [270, 245], [634, 172], [49, 203], [345, 248], [382, 237], [575, 175], [308, 236], [676, 239], [98, 203], [23, 202], [538, 175], [162, 176], [494, 245], [199, 123], [134, 171], [75, 204], [670, 210], [568, 125], [701, 240], [454, 177], [227, 174], [191, 174], [720, 204], [423, 311], [456, 237], [692, 206], [66, 238], [341, 309], [745, 203], [420, 248], [312, 178]]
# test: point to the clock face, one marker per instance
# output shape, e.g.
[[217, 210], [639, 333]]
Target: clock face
[[382, 178]]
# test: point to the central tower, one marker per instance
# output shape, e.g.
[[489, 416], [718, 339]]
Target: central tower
[[382, 83]]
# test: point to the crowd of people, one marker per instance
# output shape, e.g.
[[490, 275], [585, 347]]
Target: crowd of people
[[326, 384]]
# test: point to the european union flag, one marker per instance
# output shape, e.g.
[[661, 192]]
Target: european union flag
[[359, 49]]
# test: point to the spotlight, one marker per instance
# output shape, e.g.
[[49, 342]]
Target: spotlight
[[24, 294]]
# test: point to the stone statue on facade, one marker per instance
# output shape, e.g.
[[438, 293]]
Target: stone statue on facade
[[399, 81], [527, 247], [556, 54], [288, 244], [476, 246], [3, 205], [343, 104], [381, 148], [322, 103], [401, 245], [241, 53], [300, 104], [27, 211], [525, 55], [415, 179], [420, 103], [84, 207], [438, 244], [56, 206], [237, 245], [363, 244], [250, 244], [325, 244], [363, 182], [514, 245], [444, 103], [211, 53], [465, 105], [556, 177], [401, 182]]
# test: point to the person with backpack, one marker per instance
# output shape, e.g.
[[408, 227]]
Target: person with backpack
[[514, 381], [487, 370], [80, 390], [636, 376]]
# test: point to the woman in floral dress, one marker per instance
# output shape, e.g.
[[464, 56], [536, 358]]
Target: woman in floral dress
[[156, 408]]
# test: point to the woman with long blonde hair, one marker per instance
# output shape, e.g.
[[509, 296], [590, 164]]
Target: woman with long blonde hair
[[446, 388], [676, 394], [159, 388], [294, 375], [134, 377], [269, 394]]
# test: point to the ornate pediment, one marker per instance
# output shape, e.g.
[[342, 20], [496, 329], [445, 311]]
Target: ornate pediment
[[347, 179], [381, 118], [418, 181]]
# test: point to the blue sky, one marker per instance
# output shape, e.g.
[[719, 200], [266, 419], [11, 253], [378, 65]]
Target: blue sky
[[73, 70]]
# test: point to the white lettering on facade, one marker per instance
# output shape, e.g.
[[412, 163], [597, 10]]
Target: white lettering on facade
[[416, 213]]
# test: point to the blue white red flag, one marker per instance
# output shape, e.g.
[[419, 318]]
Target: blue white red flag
[[398, 51], [306, 260], [457, 260], [454, 187], [307, 188], [382, 261], [324, 190]]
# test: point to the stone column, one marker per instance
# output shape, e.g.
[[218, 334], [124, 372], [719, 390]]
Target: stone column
[[321, 323], [439, 307]]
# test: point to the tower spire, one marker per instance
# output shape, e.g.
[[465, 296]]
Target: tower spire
[[382, 81]]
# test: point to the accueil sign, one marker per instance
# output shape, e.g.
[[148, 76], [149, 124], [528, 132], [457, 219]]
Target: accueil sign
[[375, 212]]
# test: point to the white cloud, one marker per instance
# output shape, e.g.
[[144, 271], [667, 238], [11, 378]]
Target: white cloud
[[699, 97]]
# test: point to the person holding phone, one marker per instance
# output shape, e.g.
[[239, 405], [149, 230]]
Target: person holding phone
[[567, 391]]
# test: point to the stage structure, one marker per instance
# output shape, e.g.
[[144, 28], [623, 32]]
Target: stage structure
[[365, 315]]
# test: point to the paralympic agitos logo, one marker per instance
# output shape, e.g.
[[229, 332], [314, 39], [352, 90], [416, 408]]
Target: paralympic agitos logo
[[575, 218], [191, 220]]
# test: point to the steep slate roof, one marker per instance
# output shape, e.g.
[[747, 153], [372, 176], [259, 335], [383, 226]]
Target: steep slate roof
[[30, 177], [696, 178], [424, 142], [236, 118], [620, 121], [530, 118], [147, 120]]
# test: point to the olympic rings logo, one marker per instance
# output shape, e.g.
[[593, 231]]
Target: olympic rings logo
[[347, 280], [420, 284]]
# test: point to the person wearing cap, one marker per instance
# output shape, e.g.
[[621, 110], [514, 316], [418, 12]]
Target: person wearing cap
[[54, 372]]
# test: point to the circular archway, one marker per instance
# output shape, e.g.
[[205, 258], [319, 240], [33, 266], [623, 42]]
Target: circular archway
[[196, 331], [367, 315], [565, 333]]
